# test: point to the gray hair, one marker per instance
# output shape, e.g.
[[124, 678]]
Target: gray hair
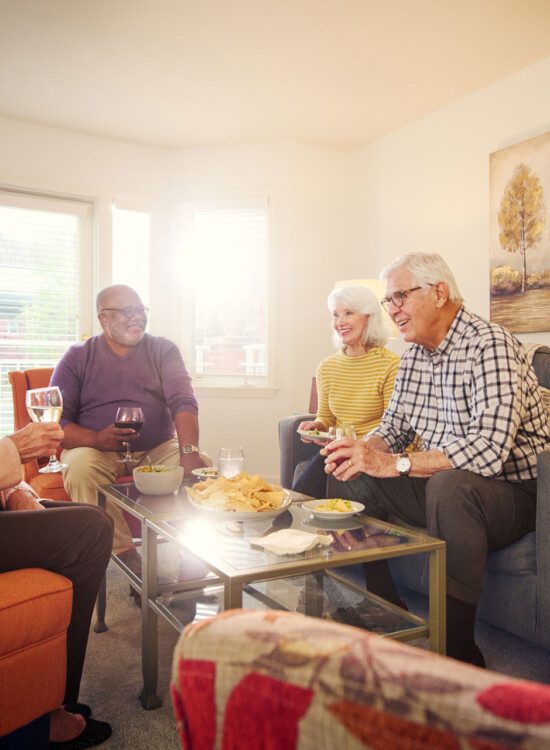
[[360, 299], [427, 269]]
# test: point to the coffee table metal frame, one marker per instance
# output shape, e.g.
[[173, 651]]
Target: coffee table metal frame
[[156, 527]]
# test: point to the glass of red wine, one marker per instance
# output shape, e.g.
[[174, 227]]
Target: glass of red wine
[[129, 416]]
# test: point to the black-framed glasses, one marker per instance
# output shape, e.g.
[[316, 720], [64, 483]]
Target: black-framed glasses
[[129, 312], [398, 298]]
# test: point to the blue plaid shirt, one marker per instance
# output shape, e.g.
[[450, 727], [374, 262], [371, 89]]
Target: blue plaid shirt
[[475, 398]]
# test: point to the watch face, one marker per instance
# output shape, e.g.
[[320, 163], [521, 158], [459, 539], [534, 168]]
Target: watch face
[[403, 464]]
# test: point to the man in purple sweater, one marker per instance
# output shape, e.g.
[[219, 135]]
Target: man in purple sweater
[[124, 366]]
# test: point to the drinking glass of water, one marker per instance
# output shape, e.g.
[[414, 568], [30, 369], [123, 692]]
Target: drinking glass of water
[[46, 405], [231, 461]]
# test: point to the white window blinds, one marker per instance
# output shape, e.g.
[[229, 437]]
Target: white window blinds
[[224, 271], [131, 247], [45, 290]]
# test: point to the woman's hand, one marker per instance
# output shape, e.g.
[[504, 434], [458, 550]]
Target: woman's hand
[[37, 440], [310, 425]]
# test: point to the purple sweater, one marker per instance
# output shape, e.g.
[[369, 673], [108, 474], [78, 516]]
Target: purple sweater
[[95, 381]]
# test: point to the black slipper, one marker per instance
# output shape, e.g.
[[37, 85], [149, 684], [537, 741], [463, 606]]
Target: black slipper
[[94, 734], [78, 708]]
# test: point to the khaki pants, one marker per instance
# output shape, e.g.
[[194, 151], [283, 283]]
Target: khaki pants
[[88, 467]]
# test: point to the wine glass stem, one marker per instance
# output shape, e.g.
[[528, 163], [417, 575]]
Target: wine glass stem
[[128, 455], [53, 460]]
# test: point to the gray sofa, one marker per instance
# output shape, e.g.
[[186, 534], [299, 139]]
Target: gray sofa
[[516, 592]]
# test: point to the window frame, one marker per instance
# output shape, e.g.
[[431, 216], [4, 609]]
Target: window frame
[[137, 207], [226, 386], [84, 208]]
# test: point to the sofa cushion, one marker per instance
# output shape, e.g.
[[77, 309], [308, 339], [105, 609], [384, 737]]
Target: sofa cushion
[[518, 559], [35, 605], [541, 365]]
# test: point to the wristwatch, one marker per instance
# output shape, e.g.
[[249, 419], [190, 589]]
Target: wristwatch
[[403, 465], [189, 449]]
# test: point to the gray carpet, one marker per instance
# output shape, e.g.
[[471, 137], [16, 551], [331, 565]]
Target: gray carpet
[[112, 675]]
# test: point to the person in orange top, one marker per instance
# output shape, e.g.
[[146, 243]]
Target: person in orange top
[[72, 540]]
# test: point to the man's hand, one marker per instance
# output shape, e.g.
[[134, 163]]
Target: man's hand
[[110, 438], [190, 461], [37, 440], [347, 458]]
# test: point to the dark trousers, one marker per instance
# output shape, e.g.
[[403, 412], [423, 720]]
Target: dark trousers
[[473, 514], [313, 480], [74, 541]]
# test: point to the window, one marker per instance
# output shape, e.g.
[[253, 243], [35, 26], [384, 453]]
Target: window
[[131, 246], [45, 293], [224, 267]]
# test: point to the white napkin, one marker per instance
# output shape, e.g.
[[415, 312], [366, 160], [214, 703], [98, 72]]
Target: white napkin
[[290, 541]]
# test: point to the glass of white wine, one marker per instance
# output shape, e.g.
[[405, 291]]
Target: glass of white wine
[[46, 405], [344, 430]]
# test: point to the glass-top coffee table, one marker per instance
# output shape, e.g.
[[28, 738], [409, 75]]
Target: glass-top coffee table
[[242, 575]]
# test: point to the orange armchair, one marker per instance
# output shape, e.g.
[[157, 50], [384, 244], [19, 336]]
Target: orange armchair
[[35, 609], [45, 485]]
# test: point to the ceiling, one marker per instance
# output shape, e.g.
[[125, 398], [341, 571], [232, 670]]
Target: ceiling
[[180, 73]]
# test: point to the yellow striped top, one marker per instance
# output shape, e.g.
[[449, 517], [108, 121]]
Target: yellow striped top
[[356, 390]]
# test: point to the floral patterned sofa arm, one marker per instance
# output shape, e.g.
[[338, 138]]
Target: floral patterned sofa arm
[[251, 679]]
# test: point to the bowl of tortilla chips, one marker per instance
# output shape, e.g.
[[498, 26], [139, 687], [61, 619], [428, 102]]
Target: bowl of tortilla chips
[[240, 498]]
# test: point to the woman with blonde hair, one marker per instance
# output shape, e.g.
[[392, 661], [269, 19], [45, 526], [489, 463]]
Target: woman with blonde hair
[[355, 384]]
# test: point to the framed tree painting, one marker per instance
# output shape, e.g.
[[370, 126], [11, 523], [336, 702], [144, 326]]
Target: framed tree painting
[[519, 250]]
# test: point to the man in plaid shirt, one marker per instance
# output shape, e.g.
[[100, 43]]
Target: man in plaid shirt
[[466, 388]]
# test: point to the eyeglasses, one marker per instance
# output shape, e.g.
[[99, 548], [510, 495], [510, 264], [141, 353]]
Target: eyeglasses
[[128, 312], [398, 298]]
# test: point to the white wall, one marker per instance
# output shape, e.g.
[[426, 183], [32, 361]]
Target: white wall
[[52, 160], [426, 187], [307, 188]]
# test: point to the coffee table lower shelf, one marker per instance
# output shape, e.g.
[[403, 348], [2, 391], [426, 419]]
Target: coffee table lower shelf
[[324, 594]]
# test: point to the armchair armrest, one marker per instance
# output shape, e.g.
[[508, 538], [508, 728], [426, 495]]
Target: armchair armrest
[[542, 533], [337, 686], [291, 448]]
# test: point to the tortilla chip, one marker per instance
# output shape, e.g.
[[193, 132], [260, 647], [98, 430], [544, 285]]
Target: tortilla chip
[[242, 493]]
